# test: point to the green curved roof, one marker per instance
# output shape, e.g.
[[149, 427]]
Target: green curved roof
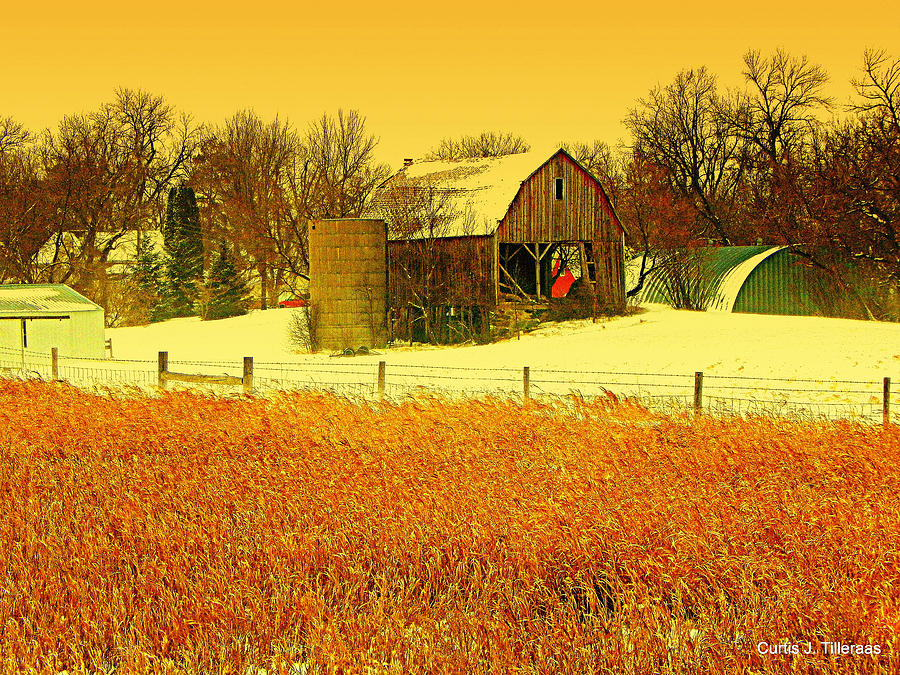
[[751, 279]]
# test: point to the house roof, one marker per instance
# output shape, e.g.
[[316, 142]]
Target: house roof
[[36, 299], [123, 252], [478, 191]]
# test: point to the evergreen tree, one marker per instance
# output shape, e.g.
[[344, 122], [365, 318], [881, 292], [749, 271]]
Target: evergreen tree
[[227, 292], [184, 251], [148, 277]]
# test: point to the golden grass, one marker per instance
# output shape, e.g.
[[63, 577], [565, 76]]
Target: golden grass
[[208, 535]]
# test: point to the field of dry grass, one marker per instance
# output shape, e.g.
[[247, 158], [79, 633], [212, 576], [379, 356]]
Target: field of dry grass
[[210, 535]]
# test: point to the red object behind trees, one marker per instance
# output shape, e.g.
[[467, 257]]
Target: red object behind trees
[[562, 285]]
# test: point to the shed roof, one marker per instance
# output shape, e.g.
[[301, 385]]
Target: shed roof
[[478, 191], [24, 300]]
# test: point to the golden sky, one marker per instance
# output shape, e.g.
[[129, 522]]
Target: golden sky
[[418, 71]]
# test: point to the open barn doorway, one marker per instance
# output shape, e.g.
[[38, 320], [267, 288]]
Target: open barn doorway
[[533, 271]]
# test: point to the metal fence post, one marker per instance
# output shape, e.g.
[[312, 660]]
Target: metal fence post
[[163, 367], [248, 374], [886, 403], [698, 391]]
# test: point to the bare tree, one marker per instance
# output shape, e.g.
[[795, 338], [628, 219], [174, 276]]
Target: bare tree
[[340, 165], [687, 128], [778, 120], [661, 229], [605, 165], [485, 144], [879, 87], [261, 183], [23, 223], [243, 175], [856, 187], [785, 93], [13, 135], [106, 174], [833, 196]]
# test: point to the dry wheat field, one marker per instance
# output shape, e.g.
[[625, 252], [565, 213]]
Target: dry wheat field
[[307, 533]]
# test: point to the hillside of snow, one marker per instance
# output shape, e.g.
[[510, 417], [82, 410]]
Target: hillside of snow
[[832, 367], [658, 340]]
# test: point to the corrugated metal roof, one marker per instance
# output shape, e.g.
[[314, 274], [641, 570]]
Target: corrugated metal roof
[[752, 279], [722, 270], [732, 265], [39, 299], [782, 284]]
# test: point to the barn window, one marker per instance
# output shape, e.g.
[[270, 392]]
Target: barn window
[[559, 188]]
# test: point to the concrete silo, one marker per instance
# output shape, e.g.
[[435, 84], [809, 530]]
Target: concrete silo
[[348, 282]]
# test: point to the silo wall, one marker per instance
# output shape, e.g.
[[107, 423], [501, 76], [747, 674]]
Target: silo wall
[[348, 282]]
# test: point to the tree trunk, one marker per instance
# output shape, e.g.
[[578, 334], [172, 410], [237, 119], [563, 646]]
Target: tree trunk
[[263, 278]]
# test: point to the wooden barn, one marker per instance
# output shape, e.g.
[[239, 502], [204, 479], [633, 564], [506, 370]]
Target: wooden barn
[[464, 235]]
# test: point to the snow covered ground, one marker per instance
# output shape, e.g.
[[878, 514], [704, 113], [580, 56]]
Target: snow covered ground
[[829, 364]]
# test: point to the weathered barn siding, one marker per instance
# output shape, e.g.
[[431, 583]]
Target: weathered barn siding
[[536, 215], [454, 271], [348, 282], [584, 214], [487, 213], [608, 256]]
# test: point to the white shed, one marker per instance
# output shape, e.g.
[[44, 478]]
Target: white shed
[[38, 317]]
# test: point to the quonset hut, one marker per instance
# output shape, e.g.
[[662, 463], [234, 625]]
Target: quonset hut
[[461, 233], [750, 279]]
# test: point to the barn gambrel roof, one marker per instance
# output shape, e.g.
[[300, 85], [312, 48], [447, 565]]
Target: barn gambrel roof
[[477, 191]]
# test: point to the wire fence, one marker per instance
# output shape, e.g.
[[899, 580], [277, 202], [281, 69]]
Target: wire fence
[[862, 400]]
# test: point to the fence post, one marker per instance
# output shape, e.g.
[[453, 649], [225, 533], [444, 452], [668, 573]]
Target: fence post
[[109, 347], [248, 374], [382, 366], [886, 403], [698, 391], [526, 381], [54, 362], [163, 368]]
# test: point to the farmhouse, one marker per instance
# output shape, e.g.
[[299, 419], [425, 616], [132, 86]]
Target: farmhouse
[[113, 252], [38, 317], [464, 234], [750, 279]]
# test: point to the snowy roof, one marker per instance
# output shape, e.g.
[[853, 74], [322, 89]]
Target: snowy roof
[[39, 299], [478, 192]]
